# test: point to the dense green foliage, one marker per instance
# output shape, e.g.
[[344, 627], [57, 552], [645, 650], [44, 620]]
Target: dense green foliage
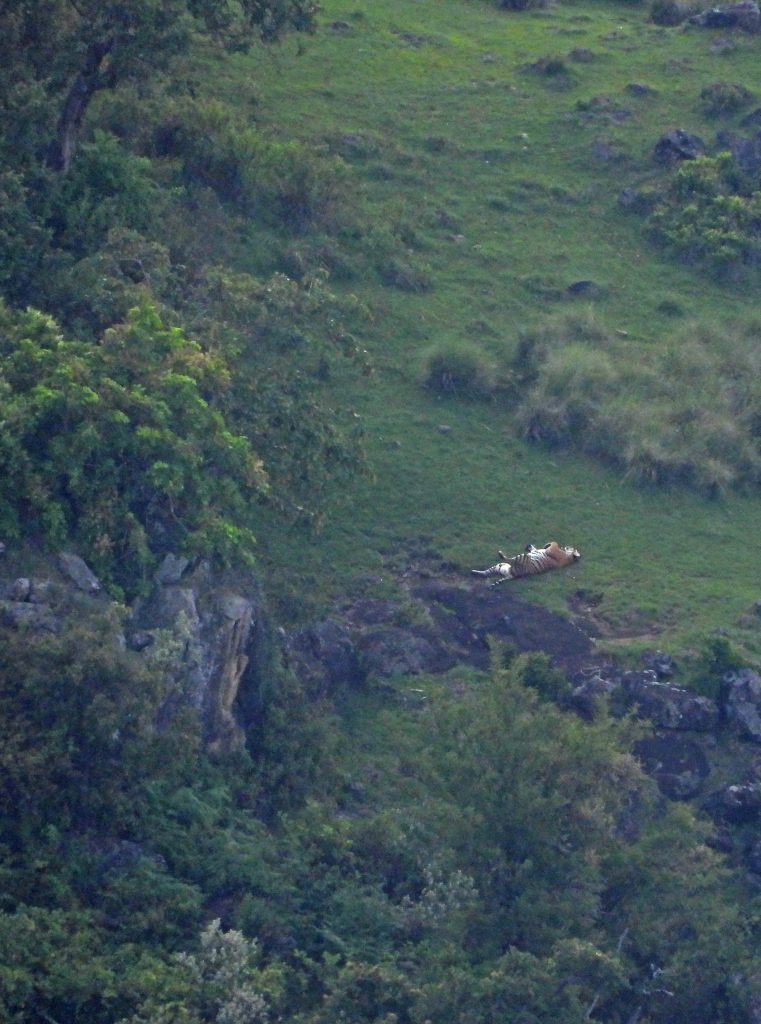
[[190, 237], [710, 215], [119, 446], [508, 858]]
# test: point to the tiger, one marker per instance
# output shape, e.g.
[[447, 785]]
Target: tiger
[[529, 562]]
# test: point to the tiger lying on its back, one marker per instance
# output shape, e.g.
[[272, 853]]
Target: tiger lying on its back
[[530, 561]]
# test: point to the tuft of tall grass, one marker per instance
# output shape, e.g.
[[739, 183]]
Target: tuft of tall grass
[[458, 368], [687, 413]]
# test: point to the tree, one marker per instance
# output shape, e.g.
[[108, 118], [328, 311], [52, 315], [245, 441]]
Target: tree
[[120, 445], [76, 48]]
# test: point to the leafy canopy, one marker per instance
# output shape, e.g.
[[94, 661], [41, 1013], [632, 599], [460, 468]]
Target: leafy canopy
[[120, 445]]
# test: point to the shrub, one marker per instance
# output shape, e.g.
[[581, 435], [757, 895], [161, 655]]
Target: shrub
[[458, 368], [120, 446], [398, 273], [724, 98], [107, 185], [710, 216], [550, 67], [689, 415], [669, 12], [243, 168]]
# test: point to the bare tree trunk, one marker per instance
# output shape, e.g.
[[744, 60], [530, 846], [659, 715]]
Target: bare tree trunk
[[89, 80]]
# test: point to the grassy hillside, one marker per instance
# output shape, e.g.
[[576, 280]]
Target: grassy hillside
[[490, 169]]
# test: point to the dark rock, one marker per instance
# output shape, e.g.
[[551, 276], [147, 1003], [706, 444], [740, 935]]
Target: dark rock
[[735, 804], [323, 656], [662, 664], [753, 119], [668, 707], [744, 15], [20, 589], [678, 145], [373, 611], [721, 841], [340, 26], [640, 89], [589, 695], [677, 764], [587, 289], [79, 572], [25, 615], [394, 651], [639, 202], [745, 152], [140, 639], [583, 55], [466, 617], [741, 703], [172, 569]]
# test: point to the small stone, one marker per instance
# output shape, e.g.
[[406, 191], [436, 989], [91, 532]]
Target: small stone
[[588, 289], [20, 589], [640, 89], [444, 428], [582, 54], [171, 569]]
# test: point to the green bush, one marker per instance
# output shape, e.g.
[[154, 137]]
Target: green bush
[[120, 446], [711, 215], [107, 186], [459, 369], [262, 176], [722, 98], [688, 415]]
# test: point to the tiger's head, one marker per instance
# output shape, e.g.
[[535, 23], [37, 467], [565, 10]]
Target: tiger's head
[[573, 554]]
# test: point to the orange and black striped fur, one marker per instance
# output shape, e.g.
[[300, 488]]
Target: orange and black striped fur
[[530, 562]]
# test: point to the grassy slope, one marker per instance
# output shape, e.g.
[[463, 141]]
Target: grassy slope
[[442, 89]]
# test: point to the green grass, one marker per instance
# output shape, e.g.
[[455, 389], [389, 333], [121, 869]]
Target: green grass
[[491, 166]]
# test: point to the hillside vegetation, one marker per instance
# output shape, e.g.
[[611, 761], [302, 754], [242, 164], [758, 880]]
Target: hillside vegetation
[[323, 298]]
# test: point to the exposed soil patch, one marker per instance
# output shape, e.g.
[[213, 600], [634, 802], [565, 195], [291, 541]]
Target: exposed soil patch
[[467, 616]]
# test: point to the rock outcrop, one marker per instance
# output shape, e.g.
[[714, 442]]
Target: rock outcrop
[[214, 631], [209, 638], [678, 145], [741, 701], [744, 15]]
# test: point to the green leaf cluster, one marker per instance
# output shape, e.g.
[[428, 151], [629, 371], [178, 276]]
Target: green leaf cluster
[[710, 215], [121, 446]]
